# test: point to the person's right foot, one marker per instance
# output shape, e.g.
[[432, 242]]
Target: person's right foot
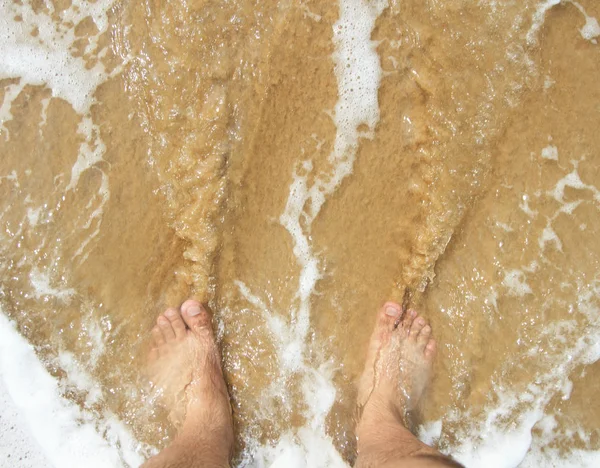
[[397, 370], [184, 366]]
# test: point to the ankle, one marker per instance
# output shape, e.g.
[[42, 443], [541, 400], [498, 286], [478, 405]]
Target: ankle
[[213, 450], [209, 430], [385, 439], [381, 407]]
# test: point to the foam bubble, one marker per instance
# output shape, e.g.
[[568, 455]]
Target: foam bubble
[[544, 452], [16, 441], [591, 29], [79, 378], [549, 235], [46, 58], [550, 152], [40, 280], [514, 281], [504, 438], [538, 19], [10, 94], [301, 449], [572, 180], [358, 73], [69, 436], [524, 206], [430, 432]]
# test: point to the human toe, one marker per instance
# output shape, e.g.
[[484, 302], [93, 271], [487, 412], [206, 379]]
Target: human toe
[[195, 316], [430, 349], [388, 317], [424, 335], [158, 337], [417, 326], [177, 323], [407, 320], [165, 328]]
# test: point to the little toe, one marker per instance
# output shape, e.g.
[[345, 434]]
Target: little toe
[[159, 339], [416, 327], [177, 323], [165, 328], [430, 349], [195, 316]]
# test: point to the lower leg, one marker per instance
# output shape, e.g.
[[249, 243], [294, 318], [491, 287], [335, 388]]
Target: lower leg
[[185, 367], [397, 371], [383, 438], [192, 448]]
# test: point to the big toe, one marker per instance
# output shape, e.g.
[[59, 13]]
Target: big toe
[[196, 317], [388, 317]]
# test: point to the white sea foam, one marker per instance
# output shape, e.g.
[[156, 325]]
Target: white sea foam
[[42, 287], [538, 19], [496, 443], [301, 449], [358, 74], [543, 453], [514, 281], [57, 423], [18, 448], [46, 59], [524, 206], [572, 180], [550, 152], [549, 235], [68, 435], [10, 94], [78, 377], [504, 437], [430, 432], [590, 30]]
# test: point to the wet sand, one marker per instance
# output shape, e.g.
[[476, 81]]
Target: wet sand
[[471, 194]]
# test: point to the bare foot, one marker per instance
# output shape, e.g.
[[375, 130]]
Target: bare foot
[[398, 368], [184, 366]]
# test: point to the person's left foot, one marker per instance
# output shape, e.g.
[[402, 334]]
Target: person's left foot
[[398, 366], [184, 366]]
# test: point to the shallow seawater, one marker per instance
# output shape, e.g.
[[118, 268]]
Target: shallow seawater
[[295, 164]]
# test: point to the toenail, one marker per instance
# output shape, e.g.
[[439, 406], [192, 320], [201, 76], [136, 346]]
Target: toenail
[[392, 311], [427, 329], [171, 313], [193, 311], [420, 320], [162, 320], [412, 313]]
